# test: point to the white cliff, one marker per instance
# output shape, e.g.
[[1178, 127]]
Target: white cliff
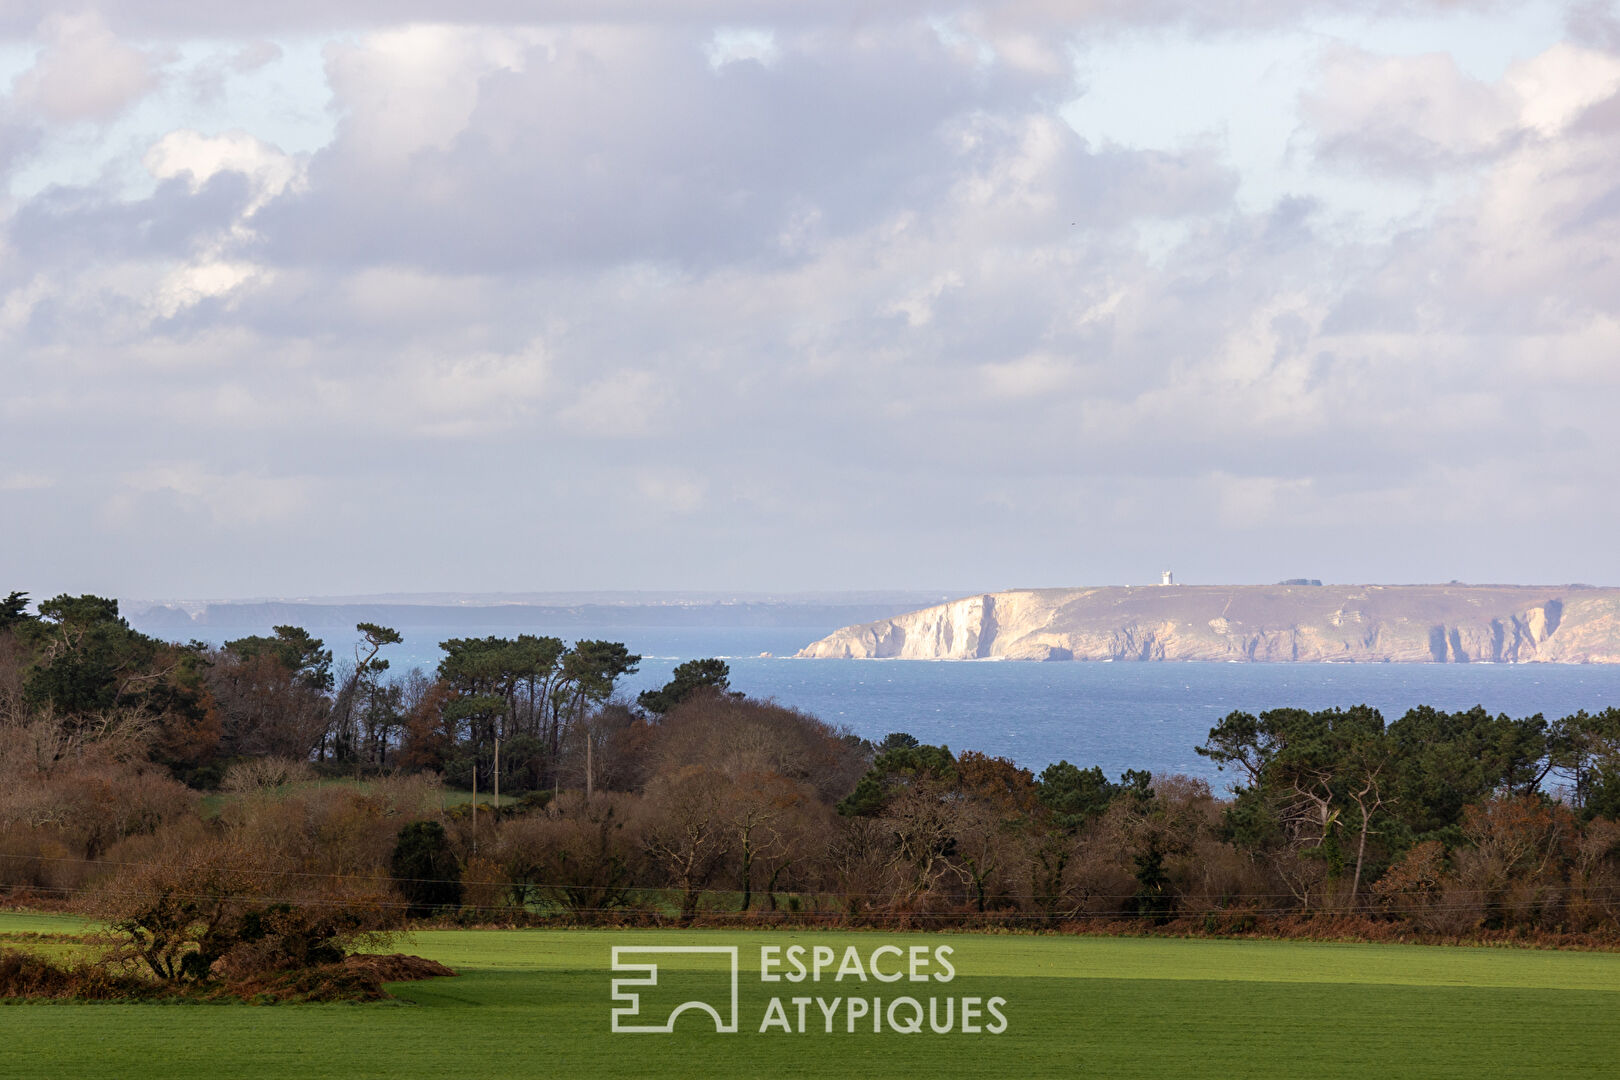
[[1368, 623]]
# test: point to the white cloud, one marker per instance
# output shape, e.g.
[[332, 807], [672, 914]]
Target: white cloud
[[1417, 113], [84, 72], [730, 45], [214, 269], [414, 88], [1555, 87], [199, 158], [199, 281]]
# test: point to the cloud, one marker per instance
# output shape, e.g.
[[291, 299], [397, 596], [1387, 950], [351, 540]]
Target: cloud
[[84, 72], [26, 481], [626, 404], [1417, 114], [255, 55], [1406, 113], [198, 158], [199, 18], [478, 151], [194, 490], [857, 308], [672, 490]]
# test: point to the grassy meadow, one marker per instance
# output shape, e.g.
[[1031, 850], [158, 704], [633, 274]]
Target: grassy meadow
[[536, 1003]]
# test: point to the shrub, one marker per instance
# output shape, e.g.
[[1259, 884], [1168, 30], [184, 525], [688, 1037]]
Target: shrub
[[25, 975], [257, 774]]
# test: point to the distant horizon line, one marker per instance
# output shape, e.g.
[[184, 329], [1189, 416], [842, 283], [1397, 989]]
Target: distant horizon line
[[662, 597]]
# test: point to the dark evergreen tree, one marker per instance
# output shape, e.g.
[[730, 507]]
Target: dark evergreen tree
[[426, 870]]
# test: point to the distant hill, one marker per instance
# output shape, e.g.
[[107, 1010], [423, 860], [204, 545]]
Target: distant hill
[[1368, 623]]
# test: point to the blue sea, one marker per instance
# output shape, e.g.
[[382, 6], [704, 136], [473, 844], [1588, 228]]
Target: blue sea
[[1116, 715]]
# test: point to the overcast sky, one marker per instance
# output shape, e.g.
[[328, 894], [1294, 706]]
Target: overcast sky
[[338, 296]]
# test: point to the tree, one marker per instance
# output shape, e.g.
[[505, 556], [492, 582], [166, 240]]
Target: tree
[[87, 664], [740, 738], [898, 767], [425, 869], [1307, 770], [1444, 761], [589, 672], [361, 686], [576, 854], [1075, 796], [271, 693], [993, 806], [305, 658], [687, 832], [499, 689], [1518, 846], [14, 611], [1585, 751], [687, 679], [1149, 833], [760, 811]]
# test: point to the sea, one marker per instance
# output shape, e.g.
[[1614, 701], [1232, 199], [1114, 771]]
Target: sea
[[1123, 715]]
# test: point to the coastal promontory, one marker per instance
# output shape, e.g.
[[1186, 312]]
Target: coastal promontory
[[1365, 623]]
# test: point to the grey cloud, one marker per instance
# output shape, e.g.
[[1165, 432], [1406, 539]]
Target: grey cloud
[[18, 139], [74, 225], [574, 161], [198, 18], [255, 55], [803, 306], [1595, 23]]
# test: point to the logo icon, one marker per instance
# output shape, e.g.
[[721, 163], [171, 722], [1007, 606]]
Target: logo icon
[[648, 977]]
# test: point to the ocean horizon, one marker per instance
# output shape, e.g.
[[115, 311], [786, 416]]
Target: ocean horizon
[[1117, 715]]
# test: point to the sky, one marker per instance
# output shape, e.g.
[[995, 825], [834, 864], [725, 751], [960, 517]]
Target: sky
[[360, 296]]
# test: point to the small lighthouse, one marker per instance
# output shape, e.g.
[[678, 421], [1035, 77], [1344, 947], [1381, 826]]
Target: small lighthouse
[[1167, 578]]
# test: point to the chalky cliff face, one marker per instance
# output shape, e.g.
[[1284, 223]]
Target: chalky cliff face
[[1367, 623]]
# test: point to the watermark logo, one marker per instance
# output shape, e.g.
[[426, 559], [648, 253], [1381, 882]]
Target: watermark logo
[[816, 988], [724, 1023]]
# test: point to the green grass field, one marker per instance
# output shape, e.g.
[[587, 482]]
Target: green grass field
[[536, 1003]]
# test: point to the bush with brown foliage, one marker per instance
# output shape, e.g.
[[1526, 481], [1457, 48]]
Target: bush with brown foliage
[[738, 737], [355, 978], [581, 855], [254, 891], [25, 975], [262, 773], [65, 802]]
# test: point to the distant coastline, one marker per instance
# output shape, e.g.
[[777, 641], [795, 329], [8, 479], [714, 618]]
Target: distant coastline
[[600, 610], [1571, 624]]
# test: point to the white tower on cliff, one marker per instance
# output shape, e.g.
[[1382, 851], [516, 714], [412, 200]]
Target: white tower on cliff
[[1167, 578]]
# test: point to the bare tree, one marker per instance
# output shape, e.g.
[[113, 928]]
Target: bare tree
[[687, 833]]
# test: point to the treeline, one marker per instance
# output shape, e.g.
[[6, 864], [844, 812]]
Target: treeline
[[199, 709], [696, 803]]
